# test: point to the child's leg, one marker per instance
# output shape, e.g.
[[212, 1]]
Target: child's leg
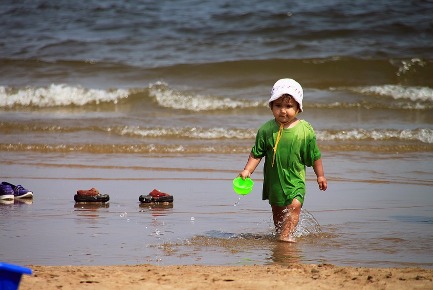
[[279, 215], [287, 220]]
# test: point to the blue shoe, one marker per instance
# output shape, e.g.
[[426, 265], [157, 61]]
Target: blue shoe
[[6, 192], [19, 191]]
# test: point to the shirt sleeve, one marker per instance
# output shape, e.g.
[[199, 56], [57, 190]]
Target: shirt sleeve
[[259, 148], [311, 152]]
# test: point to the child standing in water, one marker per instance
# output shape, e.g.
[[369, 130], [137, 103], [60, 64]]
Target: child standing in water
[[288, 145]]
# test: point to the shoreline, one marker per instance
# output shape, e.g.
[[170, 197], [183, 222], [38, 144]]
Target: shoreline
[[295, 276]]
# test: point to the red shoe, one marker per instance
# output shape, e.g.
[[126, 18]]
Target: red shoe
[[156, 196], [157, 193], [90, 192]]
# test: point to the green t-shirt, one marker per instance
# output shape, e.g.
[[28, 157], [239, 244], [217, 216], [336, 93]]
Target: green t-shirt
[[297, 148]]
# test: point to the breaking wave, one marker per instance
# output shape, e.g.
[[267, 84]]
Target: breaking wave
[[58, 95], [423, 135], [62, 95], [170, 98], [398, 92]]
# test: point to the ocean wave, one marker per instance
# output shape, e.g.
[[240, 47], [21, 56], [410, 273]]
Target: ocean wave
[[135, 131], [417, 98], [398, 92], [203, 149], [122, 148], [58, 95], [189, 132], [423, 135], [409, 66], [165, 96], [383, 97], [174, 99], [245, 76]]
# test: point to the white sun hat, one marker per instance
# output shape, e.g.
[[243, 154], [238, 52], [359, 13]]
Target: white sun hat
[[290, 87]]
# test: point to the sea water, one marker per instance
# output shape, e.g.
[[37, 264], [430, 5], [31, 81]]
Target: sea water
[[362, 219], [131, 96]]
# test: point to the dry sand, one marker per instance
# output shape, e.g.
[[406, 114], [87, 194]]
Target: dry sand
[[298, 276]]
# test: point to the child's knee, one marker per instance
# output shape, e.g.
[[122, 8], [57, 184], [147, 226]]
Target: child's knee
[[296, 205]]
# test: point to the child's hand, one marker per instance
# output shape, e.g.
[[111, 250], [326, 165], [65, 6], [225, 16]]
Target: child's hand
[[244, 174], [323, 184]]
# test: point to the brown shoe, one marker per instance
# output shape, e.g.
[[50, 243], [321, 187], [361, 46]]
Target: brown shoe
[[90, 192]]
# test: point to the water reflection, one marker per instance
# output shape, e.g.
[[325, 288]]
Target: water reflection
[[89, 212], [6, 201], [285, 253], [157, 209], [16, 201], [91, 205], [23, 201]]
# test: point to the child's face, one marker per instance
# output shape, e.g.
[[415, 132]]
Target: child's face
[[285, 109]]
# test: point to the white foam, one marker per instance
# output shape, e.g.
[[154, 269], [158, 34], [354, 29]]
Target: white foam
[[406, 66], [170, 98], [58, 95], [186, 132], [423, 135], [399, 92]]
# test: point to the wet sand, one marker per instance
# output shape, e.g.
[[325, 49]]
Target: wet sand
[[297, 276]]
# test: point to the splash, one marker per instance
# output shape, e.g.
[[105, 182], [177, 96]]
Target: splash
[[237, 202], [307, 225]]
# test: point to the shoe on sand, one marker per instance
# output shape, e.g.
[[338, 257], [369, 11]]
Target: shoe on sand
[[6, 192], [18, 190], [155, 196], [91, 192], [91, 198]]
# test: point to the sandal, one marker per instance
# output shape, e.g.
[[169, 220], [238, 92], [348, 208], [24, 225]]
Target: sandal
[[155, 196], [91, 192], [91, 198]]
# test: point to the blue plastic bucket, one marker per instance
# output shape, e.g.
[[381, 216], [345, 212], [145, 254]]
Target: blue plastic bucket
[[10, 275]]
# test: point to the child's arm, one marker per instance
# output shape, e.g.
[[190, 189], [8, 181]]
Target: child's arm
[[250, 167], [321, 179]]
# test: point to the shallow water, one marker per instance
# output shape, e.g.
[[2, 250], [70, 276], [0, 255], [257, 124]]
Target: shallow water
[[127, 97], [362, 219]]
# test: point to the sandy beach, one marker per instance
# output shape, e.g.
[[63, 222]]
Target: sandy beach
[[297, 276]]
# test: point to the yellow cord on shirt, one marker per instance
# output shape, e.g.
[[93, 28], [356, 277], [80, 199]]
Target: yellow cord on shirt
[[280, 132]]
